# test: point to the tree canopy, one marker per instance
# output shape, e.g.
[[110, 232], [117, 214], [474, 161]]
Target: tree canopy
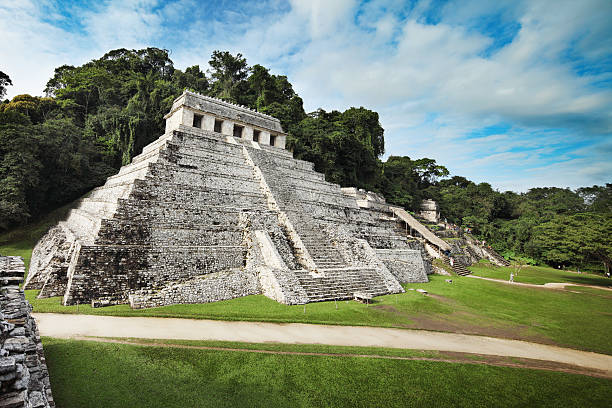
[[4, 82], [97, 116]]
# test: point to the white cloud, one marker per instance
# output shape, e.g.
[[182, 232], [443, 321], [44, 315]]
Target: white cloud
[[31, 48], [441, 66], [431, 84], [323, 15], [123, 23], [443, 70]]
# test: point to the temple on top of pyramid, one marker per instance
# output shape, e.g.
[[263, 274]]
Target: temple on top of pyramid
[[203, 112], [216, 209]]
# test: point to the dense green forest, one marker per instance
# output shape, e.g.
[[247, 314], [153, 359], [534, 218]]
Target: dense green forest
[[96, 117]]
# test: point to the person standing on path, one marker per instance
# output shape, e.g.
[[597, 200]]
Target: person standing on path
[[511, 277]]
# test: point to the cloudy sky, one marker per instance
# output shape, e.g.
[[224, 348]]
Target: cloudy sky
[[517, 94]]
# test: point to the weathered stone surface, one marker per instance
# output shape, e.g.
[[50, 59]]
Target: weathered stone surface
[[430, 210], [15, 344], [201, 216], [13, 399], [49, 262], [7, 364], [24, 380], [407, 265], [37, 399]]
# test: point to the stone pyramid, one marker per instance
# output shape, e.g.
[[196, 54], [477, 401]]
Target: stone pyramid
[[215, 209]]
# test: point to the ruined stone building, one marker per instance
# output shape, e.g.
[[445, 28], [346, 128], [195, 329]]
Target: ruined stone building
[[430, 211], [216, 208]]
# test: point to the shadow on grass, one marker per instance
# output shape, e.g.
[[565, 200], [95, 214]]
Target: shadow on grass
[[90, 374]]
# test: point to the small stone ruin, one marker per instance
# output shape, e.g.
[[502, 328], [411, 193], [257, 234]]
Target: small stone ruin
[[215, 209], [24, 379], [430, 211]]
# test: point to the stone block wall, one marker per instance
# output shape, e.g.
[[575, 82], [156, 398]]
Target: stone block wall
[[213, 287], [462, 253], [407, 265], [24, 378]]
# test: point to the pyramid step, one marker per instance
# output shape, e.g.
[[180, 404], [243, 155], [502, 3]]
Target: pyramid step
[[148, 155], [340, 283], [180, 152]]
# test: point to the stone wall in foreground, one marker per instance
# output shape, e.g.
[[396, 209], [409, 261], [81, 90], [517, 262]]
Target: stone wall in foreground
[[24, 379]]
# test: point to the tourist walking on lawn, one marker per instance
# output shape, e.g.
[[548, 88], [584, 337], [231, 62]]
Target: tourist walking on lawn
[[511, 277]]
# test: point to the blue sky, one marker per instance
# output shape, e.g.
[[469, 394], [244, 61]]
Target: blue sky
[[514, 93]]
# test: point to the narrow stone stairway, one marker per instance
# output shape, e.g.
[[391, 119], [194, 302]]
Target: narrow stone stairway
[[458, 267], [322, 251], [497, 256], [341, 283], [319, 246]]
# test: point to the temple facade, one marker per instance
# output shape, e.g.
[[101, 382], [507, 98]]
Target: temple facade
[[214, 115]]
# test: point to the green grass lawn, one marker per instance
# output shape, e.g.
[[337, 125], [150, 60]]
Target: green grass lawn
[[592, 291], [91, 374], [298, 348], [21, 244], [577, 320], [21, 241], [539, 275]]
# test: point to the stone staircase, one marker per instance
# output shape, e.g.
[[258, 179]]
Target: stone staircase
[[320, 248], [420, 228], [458, 267], [306, 198], [285, 184], [341, 283], [322, 252], [497, 256]]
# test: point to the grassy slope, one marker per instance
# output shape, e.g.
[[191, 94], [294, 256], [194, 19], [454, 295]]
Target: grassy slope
[[21, 241], [539, 275], [467, 305], [90, 374]]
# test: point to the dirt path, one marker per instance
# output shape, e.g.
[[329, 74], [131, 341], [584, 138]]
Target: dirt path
[[74, 326], [550, 285]]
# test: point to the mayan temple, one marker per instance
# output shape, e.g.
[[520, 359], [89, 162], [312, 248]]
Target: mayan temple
[[215, 209]]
